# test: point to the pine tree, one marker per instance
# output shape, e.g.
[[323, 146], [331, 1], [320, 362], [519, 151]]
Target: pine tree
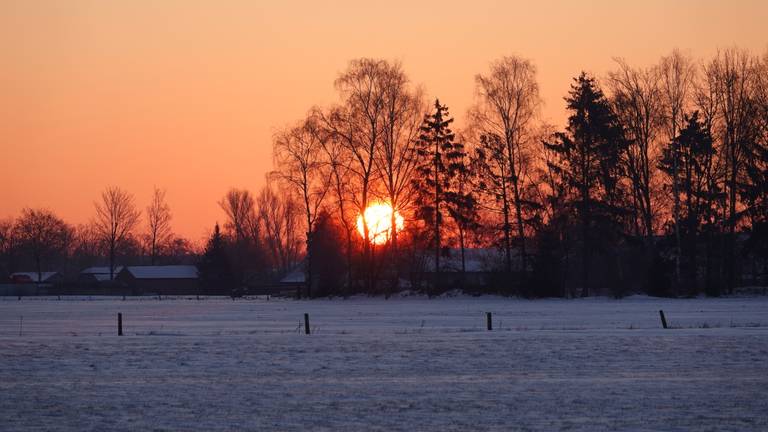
[[690, 156], [441, 159], [214, 267], [589, 152]]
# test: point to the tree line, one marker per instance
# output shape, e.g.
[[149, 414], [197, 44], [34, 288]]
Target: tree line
[[657, 183], [41, 241]]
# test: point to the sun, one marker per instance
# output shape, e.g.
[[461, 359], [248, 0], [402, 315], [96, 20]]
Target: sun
[[378, 217]]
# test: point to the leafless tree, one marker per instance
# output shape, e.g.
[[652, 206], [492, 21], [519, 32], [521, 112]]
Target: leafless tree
[[279, 215], [508, 103], [735, 76], [300, 166], [636, 98], [239, 206], [677, 75], [359, 125], [87, 245], [8, 246], [116, 218], [396, 162], [158, 233], [340, 176]]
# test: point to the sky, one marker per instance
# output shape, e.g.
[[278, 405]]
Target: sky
[[186, 95]]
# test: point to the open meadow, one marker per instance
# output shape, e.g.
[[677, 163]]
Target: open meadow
[[373, 364]]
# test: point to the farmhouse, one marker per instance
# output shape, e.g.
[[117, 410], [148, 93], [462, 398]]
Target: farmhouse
[[161, 280], [33, 277]]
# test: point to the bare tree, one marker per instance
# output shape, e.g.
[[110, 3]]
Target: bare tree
[[279, 215], [43, 234], [116, 218], [158, 224], [508, 103], [87, 245], [677, 74], [396, 161], [239, 206], [8, 246], [358, 125], [734, 74], [298, 158], [339, 165], [636, 98]]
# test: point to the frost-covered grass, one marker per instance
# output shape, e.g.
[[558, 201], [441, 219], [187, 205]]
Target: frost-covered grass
[[374, 364]]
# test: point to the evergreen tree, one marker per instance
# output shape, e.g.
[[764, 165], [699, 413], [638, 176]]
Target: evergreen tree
[[441, 159], [690, 156], [214, 267], [589, 153]]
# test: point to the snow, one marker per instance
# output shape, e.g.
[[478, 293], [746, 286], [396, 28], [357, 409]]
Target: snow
[[374, 364], [163, 272]]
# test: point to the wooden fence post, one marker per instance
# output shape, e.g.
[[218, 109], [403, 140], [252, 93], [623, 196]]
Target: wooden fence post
[[488, 321], [119, 324], [663, 319], [306, 323]]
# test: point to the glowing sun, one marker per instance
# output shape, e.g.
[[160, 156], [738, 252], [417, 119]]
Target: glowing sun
[[378, 217]]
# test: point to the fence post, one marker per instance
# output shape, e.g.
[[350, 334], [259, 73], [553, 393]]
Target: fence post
[[119, 324], [663, 319], [488, 321], [306, 323]]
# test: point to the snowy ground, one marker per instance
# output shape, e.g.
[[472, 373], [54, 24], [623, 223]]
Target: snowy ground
[[374, 364]]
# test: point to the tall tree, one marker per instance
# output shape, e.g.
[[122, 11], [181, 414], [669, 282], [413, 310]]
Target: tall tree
[[280, 217], [44, 235], [239, 206], [395, 161], [677, 73], [734, 74], [689, 158], [298, 158], [589, 152], [214, 267], [158, 225], [339, 165], [242, 225], [636, 98], [116, 218], [508, 104], [438, 161]]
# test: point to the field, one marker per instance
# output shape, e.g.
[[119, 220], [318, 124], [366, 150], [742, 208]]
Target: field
[[375, 364]]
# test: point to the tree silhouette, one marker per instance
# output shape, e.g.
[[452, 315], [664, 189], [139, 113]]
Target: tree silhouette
[[589, 154], [214, 266], [116, 218]]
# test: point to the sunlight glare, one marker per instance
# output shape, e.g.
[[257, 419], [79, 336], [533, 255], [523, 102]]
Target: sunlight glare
[[378, 217]]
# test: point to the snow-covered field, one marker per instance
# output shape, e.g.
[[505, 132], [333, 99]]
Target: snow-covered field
[[374, 364]]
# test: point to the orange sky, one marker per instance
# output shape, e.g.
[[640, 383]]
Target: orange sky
[[186, 94]]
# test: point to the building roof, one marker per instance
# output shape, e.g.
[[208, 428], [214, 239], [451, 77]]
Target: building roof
[[33, 276], [295, 276], [476, 260], [163, 272], [100, 270]]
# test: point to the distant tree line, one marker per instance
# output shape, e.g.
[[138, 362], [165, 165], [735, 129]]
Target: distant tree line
[[41, 241], [657, 183]]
